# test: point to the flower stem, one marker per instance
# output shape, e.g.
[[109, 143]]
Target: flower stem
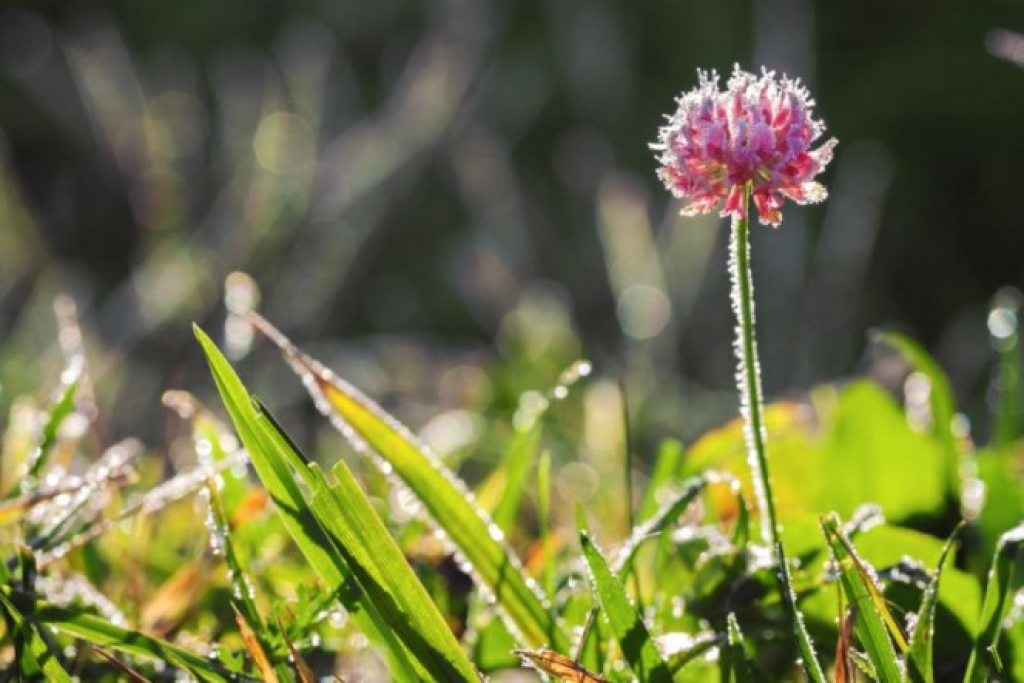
[[748, 373]]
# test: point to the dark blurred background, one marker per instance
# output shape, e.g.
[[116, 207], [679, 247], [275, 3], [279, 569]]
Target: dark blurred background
[[449, 201]]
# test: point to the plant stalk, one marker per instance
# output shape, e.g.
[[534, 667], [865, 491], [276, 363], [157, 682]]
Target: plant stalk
[[748, 374]]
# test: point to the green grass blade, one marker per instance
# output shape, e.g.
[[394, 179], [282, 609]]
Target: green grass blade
[[809, 658], [735, 663], [274, 458], [984, 658], [78, 623], [383, 572], [874, 621], [919, 657], [665, 516], [666, 465], [442, 494], [61, 408], [34, 656], [516, 463], [638, 647], [241, 586]]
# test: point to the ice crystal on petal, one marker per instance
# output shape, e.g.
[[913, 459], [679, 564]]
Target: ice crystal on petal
[[759, 130]]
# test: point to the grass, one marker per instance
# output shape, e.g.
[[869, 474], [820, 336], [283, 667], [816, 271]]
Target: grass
[[298, 565]]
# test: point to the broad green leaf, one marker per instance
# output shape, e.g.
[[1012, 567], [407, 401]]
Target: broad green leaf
[[34, 655], [874, 621], [920, 668], [626, 623], [941, 398], [984, 660], [443, 495], [735, 664], [275, 459]]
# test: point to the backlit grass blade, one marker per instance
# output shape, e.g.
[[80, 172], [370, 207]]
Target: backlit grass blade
[[383, 572], [277, 463], [874, 621], [79, 623], [63, 405], [984, 662], [919, 657], [516, 469], [735, 664], [444, 496], [34, 658], [666, 465], [626, 624], [809, 658], [667, 515]]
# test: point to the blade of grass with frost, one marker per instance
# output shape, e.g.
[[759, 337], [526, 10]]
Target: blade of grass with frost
[[79, 623], [544, 521], [516, 467], [244, 604], [984, 658], [61, 408], [809, 658], [666, 465], [638, 647], [34, 657], [277, 462], [667, 515], [941, 399], [383, 572], [735, 663], [874, 621], [443, 495], [919, 657]]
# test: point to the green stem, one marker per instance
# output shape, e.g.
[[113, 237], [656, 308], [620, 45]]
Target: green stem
[[749, 373], [748, 378]]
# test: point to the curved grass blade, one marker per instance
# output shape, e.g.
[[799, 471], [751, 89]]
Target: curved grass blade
[[667, 515], [874, 621], [516, 469], [78, 623], [277, 463], [735, 663], [666, 465], [63, 406], [33, 655], [984, 658], [638, 647], [919, 657], [811, 665], [443, 495]]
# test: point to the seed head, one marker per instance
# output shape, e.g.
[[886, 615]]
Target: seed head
[[757, 131]]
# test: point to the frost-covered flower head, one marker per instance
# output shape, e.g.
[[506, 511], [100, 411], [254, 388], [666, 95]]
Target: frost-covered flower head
[[757, 131]]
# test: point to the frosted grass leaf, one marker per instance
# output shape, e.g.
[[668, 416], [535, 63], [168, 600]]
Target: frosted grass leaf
[[758, 132]]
